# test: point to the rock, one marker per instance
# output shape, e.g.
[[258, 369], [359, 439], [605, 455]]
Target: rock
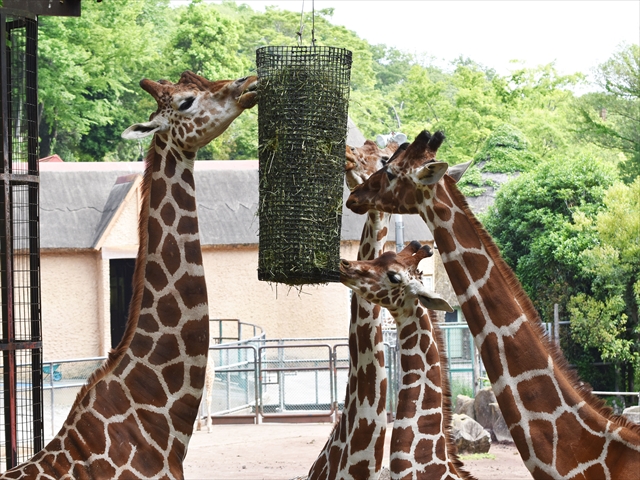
[[464, 405], [468, 435], [483, 412], [632, 414], [499, 430]]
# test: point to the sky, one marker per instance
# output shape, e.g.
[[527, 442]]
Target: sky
[[576, 35]]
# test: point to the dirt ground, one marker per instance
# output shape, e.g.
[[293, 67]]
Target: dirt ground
[[283, 451]]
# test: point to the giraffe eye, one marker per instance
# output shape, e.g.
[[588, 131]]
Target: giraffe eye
[[394, 277], [186, 104], [390, 175]]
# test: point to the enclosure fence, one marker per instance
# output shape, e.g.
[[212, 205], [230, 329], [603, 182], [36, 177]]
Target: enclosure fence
[[21, 429], [260, 380]]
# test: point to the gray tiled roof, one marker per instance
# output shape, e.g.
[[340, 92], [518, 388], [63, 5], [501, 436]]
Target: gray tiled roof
[[77, 202]]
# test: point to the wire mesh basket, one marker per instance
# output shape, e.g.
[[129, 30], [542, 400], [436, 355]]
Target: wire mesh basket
[[302, 127]]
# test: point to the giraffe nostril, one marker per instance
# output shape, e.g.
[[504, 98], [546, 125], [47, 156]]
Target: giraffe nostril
[[344, 263]]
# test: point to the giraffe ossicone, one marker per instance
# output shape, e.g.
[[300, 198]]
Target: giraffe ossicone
[[134, 417], [560, 429]]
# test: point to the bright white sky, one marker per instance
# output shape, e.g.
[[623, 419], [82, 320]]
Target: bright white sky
[[576, 35]]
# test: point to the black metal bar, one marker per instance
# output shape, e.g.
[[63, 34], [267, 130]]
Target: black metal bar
[[19, 179], [20, 345], [6, 247]]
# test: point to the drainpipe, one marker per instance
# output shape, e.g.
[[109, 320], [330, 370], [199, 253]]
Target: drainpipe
[[399, 232]]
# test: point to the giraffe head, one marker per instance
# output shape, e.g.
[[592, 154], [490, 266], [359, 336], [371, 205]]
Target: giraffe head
[[364, 161], [402, 185], [393, 280], [195, 110]]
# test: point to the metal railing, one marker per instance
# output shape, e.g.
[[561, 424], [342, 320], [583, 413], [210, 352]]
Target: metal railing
[[285, 380]]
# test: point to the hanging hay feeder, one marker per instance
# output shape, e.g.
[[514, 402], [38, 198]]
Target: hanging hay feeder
[[302, 127]]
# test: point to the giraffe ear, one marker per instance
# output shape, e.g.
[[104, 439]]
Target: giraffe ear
[[141, 130], [457, 171], [431, 172], [433, 301]]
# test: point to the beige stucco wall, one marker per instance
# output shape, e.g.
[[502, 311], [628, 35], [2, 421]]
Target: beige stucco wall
[[283, 312], [71, 304], [76, 296]]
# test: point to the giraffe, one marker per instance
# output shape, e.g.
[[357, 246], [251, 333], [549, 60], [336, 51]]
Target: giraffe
[[205, 403], [355, 446], [560, 429], [134, 417], [421, 447]]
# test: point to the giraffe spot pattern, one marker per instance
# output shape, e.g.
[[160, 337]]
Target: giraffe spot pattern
[[166, 350], [196, 343], [156, 276], [141, 345], [523, 356], [430, 424], [174, 377], [158, 193], [362, 435], [168, 310], [147, 323], [542, 433], [539, 394], [168, 214], [145, 387], [192, 252], [155, 234], [583, 448], [119, 403], [193, 290], [171, 255], [490, 353], [155, 425], [187, 226]]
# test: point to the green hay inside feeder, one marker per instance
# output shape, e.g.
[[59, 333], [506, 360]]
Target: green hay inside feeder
[[302, 126]]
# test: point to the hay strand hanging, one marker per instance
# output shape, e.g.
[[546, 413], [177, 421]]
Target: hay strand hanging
[[302, 126]]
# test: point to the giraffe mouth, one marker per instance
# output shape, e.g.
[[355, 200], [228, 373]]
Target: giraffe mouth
[[249, 97]]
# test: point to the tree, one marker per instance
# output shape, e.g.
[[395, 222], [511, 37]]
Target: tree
[[611, 118], [605, 317], [89, 69], [564, 228]]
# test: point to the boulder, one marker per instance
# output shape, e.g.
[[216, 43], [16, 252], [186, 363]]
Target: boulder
[[632, 414], [464, 405], [499, 430], [468, 435], [481, 406]]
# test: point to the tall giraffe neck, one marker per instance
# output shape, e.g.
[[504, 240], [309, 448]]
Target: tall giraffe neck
[[134, 417], [421, 447], [355, 447], [560, 430]]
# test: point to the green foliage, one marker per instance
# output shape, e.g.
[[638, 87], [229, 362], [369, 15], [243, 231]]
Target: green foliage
[[477, 456], [88, 74], [205, 42], [611, 119], [538, 221], [602, 325], [506, 150], [572, 235]]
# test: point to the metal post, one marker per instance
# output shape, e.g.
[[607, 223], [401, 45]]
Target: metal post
[[399, 232], [53, 425], [556, 325]]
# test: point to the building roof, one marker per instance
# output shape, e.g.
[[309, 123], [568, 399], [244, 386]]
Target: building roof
[[79, 200]]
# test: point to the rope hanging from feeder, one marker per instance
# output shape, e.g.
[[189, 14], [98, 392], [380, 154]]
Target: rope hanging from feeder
[[302, 128], [313, 24]]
